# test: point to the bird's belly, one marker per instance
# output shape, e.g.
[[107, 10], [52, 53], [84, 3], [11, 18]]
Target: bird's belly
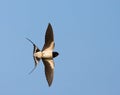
[[47, 54]]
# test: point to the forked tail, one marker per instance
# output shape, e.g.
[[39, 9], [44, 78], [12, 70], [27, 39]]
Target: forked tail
[[36, 60]]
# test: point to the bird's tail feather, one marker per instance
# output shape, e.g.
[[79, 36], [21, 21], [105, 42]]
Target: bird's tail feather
[[36, 60], [32, 70]]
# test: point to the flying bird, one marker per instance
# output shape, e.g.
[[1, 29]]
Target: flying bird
[[46, 54]]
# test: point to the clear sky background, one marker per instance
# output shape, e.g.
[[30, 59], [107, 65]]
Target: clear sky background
[[87, 36]]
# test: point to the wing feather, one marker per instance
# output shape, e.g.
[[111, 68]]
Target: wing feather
[[49, 70], [49, 39]]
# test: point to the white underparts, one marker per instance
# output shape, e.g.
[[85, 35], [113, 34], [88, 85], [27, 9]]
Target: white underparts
[[38, 54], [47, 54], [44, 54]]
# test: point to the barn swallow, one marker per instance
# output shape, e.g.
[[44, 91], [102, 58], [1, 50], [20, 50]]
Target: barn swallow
[[46, 54]]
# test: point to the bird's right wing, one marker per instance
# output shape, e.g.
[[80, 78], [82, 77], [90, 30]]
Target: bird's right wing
[[49, 39]]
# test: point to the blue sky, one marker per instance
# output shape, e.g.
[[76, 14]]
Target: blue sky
[[87, 36]]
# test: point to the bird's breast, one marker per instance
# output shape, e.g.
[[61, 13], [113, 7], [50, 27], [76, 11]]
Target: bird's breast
[[47, 54]]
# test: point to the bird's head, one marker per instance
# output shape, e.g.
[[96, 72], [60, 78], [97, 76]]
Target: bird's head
[[55, 54]]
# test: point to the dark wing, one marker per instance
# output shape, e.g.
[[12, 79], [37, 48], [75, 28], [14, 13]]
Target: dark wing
[[49, 39], [35, 49], [49, 70]]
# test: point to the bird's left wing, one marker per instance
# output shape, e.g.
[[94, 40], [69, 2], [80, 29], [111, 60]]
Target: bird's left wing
[[49, 70]]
